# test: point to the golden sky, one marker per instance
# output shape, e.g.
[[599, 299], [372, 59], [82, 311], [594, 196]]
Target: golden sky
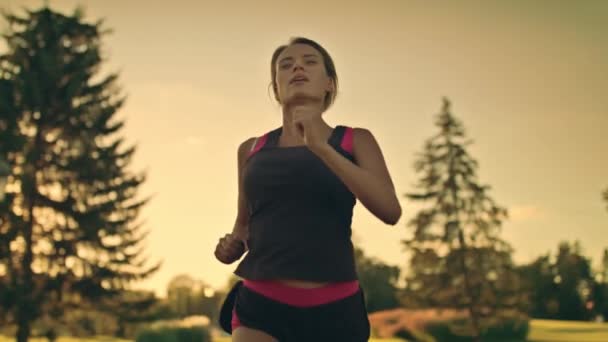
[[529, 80]]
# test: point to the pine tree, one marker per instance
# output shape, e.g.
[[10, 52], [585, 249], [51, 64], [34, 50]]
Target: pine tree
[[458, 259], [70, 230]]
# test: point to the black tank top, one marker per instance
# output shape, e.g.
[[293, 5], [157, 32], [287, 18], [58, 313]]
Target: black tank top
[[300, 213]]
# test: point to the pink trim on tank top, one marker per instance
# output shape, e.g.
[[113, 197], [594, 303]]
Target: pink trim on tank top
[[347, 140]]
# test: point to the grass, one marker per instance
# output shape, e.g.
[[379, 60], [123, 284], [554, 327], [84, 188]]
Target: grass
[[565, 331], [540, 331], [227, 339], [68, 339], [102, 339]]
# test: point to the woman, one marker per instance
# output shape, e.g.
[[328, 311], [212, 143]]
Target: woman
[[297, 188]]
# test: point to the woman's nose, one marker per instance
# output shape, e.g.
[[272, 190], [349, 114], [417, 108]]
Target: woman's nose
[[297, 65]]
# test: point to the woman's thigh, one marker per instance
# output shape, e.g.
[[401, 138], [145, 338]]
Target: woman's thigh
[[244, 334]]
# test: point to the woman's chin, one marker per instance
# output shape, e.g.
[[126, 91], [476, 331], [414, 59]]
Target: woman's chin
[[303, 97]]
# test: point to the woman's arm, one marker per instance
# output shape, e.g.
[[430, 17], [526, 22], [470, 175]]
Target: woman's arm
[[241, 224], [232, 246], [369, 179]]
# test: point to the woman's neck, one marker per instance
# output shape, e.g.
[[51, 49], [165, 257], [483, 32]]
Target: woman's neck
[[289, 134]]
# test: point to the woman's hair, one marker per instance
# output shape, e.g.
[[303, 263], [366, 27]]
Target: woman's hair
[[330, 68]]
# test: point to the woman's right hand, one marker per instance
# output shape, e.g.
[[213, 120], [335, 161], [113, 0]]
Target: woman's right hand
[[230, 248]]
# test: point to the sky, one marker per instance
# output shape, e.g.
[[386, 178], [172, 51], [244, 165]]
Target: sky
[[528, 80]]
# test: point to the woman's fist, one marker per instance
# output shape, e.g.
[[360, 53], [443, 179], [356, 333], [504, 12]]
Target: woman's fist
[[229, 249]]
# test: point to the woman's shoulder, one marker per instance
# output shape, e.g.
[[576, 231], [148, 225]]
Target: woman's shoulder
[[356, 131], [361, 133], [245, 148], [246, 144], [364, 142], [353, 136], [251, 144]]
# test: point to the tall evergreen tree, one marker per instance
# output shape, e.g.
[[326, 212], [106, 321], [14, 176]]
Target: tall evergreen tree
[[70, 230], [458, 258]]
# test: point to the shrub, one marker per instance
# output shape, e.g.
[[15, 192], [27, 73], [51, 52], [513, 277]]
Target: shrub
[[175, 334]]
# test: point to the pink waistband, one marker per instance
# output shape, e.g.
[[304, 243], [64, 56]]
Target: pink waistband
[[302, 297]]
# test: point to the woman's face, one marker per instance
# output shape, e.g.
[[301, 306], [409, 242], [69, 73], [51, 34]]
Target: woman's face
[[301, 75]]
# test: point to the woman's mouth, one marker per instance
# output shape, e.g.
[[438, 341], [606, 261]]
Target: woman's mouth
[[298, 79]]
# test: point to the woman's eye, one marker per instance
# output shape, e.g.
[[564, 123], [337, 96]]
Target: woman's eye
[[285, 66], [311, 62]]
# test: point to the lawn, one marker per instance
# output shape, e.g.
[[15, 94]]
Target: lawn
[[372, 340], [101, 339], [68, 339], [541, 331], [564, 331]]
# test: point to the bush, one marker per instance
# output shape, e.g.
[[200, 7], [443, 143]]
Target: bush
[[175, 334], [505, 329]]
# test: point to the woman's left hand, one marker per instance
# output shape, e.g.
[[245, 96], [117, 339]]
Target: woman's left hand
[[309, 124]]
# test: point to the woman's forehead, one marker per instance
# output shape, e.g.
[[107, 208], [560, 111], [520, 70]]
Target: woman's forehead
[[299, 50]]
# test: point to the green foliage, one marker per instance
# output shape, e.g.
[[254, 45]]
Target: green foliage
[[561, 287], [378, 281], [600, 292]]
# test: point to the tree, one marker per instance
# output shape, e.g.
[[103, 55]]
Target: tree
[[604, 270], [458, 259], [601, 287], [70, 230], [575, 279], [561, 287], [378, 281], [601, 291], [538, 279]]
